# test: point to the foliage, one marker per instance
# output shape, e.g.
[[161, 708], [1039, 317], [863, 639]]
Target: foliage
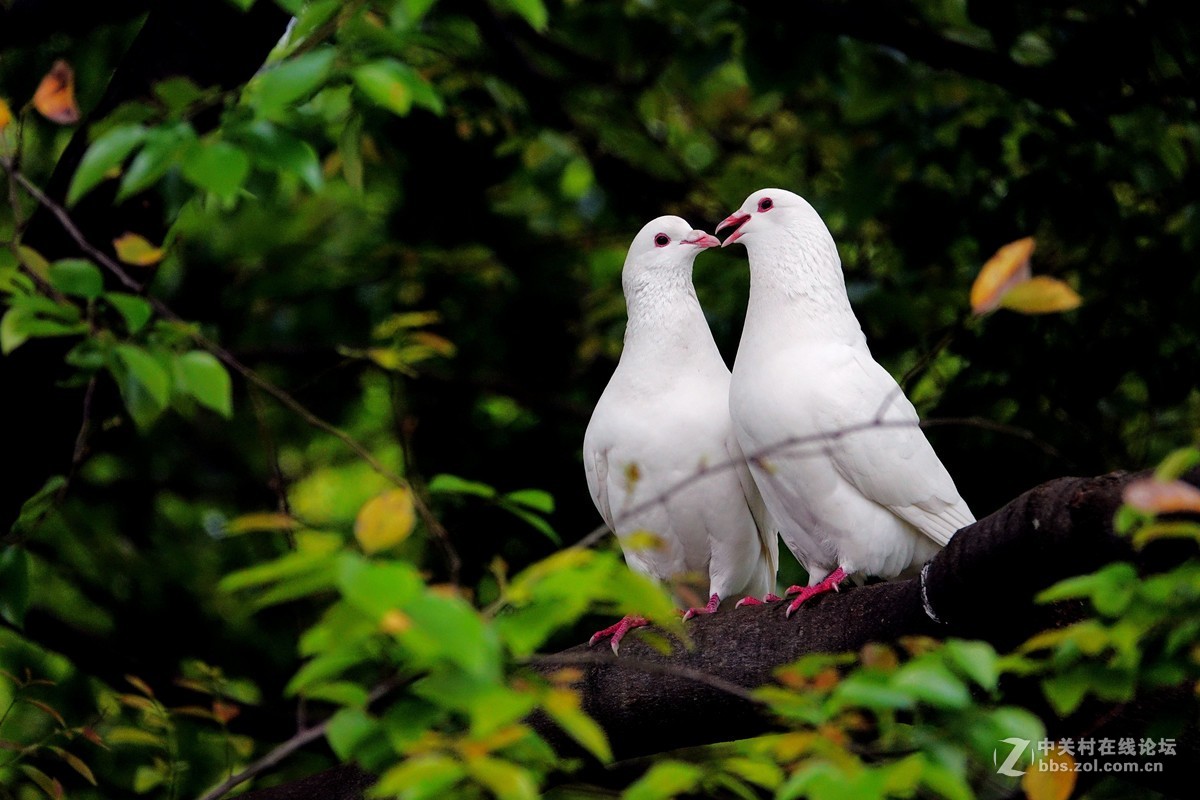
[[377, 288]]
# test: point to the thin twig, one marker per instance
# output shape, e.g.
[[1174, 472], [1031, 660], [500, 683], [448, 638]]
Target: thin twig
[[453, 562], [277, 483], [85, 427], [823, 440], [285, 749], [652, 667]]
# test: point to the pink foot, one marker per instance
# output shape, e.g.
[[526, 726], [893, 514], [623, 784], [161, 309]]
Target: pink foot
[[618, 631], [830, 584], [711, 608], [754, 601]]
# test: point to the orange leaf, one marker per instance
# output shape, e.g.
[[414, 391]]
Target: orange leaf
[[1040, 295], [5, 114], [1162, 497], [55, 95], [136, 250], [93, 737], [1050, 778], [140, 685], [385, 520], [223, 712], [1007, 268]]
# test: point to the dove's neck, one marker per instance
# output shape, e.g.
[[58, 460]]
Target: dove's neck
[[797, 290], [667, 327]]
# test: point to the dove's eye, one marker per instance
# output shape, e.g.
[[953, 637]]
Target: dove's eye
[[662, 240], [765, 204]]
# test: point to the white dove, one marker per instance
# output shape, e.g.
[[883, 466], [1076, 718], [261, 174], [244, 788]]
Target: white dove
[[833, 443], [659, 451]]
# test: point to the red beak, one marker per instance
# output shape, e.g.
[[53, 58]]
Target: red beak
[[736, 219], [702, 239]]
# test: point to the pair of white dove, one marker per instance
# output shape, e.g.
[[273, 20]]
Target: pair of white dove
[[809, 438]]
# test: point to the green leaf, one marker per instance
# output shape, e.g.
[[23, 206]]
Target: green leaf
[[563, 706], [664, 780], [77, 277], [866, 691], [205, 378], [452, 484], [348, 729], [343, 693], [447, 628], [377, 587], [14, 584], [536, 499], [133, 309], [1177, 463], [421, 777], [280, 87], [163, 149], [37, 316], [396, 87], [532, 11], [577, 179], [178, 93], [505, 780], [977, 660], [33, 509], [766, 774], [932, 683], [50, 786], [218, 167], [275, 148], [1065, 691], [12, 330], [535, 521], [325, 666], [106, 154], [1111, 589], [291, 565], [146, 778], [147, 372]]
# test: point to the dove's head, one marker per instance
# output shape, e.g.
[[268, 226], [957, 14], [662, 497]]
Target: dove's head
[[664, 248], [768, 211]]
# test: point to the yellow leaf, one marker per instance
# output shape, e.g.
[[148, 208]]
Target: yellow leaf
[[260, 521], [1040, 295], [5, 114], [643, 540], [34, 261], [385, 521], [395, 622], [1050, 778], [136, 250], [1162, 497], [55, 95], [1007, 268]]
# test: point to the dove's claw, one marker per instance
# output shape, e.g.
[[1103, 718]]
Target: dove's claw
[[711, 608], [750, 600], [618, 631], [830, 584]]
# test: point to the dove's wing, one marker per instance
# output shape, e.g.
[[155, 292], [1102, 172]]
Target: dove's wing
[[892, 464]]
